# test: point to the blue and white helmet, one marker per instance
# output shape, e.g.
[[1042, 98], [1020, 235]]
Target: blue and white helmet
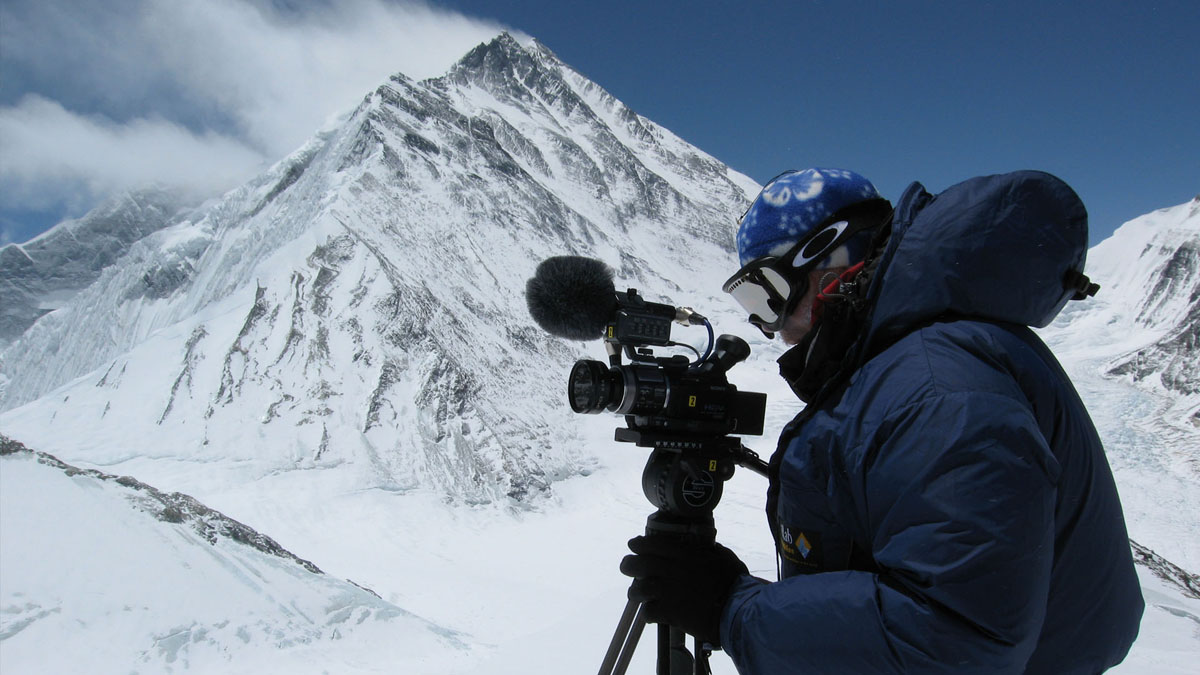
[[794, 203]]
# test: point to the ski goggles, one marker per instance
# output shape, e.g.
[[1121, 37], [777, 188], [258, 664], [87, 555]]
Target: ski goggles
[[769, 288]]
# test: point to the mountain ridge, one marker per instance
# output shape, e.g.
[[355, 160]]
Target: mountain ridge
[[42, 274], [353, 297], [132, 577]]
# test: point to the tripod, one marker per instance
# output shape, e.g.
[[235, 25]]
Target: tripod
[[684, 479]]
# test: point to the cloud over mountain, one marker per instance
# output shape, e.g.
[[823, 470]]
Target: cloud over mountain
[[194, 95]]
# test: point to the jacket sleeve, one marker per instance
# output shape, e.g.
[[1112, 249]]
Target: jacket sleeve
[[958, 493]]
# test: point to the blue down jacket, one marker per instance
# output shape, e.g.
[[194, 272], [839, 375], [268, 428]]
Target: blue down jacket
[[945, 505]]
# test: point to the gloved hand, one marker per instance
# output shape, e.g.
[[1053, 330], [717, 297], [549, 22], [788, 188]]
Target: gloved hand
[[685, 585]]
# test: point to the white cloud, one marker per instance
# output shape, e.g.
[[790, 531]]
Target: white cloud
[[280, 76], [195, 93], [52, 154]]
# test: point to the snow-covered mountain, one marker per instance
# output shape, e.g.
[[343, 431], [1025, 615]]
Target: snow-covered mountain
[[43, 274], [363, 300], [160, 582], [1158, 291], [338, 355]]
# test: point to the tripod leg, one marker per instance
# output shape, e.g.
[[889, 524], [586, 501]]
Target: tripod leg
[[618, 638], [664, 650], [702, 654], [673, 655], [624, 641]]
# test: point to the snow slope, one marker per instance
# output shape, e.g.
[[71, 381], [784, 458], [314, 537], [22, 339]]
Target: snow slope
[[104, 574]]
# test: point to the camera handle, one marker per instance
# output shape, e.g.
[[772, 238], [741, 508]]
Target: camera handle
[[673, 655], [685, 514]]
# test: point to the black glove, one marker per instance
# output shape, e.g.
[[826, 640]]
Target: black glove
[[685, 585]]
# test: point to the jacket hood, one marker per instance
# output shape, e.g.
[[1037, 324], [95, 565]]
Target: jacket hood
[[996, 248]]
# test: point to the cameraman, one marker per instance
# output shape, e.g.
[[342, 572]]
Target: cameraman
[[943, 502]]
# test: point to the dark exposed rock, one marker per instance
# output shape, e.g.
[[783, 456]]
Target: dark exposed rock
[[1188, 583], [231, 380], [295, 169], [163, 280], [184, 379], [1172, 359], [174, 507]]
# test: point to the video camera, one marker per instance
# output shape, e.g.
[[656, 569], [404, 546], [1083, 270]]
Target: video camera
[[665, 394], [685, 410]]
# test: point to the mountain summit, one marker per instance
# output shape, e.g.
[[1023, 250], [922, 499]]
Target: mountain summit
[[360, 303]]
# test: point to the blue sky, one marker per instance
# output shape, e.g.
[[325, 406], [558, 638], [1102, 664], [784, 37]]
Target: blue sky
[[1104, 94], [95, 97]]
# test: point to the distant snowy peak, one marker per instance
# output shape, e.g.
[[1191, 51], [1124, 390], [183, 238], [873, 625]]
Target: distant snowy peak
[[533, 80], [505, 66], [1149, 269], [1150, 272], [44, 273]]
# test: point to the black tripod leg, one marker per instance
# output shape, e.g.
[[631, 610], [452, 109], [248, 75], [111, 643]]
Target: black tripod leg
[[624, 641], [673, 655], [702, 654], [618, 638]]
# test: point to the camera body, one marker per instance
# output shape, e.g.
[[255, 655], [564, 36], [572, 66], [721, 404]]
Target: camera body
[[670, 395], [667, 395], [685, 410]]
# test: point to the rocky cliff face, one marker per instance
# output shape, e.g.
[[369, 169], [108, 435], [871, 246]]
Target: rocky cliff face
[[362, 301]]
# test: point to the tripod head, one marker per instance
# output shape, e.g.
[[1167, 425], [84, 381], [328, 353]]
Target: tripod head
[[685, 475], [685, 478]]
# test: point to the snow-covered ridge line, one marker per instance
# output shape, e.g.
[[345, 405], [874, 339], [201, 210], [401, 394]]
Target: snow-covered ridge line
[[1188, 583], [172, 507], [105, 574], [43, 274]]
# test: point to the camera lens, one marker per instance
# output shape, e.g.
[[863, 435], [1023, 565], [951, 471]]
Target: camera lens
[[589, 387]]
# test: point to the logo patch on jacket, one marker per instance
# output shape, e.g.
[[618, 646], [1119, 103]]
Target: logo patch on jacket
[[800, 547]]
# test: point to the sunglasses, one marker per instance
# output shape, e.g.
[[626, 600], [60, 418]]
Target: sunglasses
[[769, 288]]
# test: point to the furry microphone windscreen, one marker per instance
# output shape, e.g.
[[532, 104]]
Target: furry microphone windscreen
[[572, 297]]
